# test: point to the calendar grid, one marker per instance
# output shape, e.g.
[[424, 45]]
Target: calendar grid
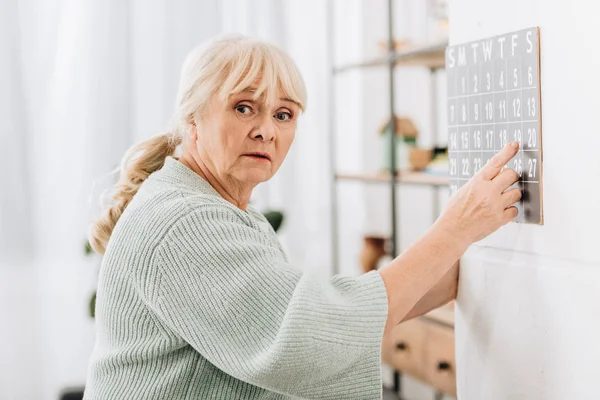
[[493, 98]]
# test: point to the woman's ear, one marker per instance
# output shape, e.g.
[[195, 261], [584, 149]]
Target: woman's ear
[[192, 122], [192, 132]]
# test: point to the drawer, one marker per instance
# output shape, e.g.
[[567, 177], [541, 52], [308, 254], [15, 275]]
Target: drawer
[[404, 348], [423, 350], [439, 363]]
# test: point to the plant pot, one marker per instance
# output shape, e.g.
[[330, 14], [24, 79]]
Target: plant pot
[[404, 147], [420, 158]]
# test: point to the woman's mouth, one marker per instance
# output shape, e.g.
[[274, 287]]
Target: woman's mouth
[[258, 156]]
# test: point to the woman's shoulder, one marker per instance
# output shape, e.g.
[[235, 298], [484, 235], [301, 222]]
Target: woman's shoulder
[[167, 204], [161, 207]]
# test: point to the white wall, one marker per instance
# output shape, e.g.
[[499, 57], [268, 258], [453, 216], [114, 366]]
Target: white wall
[[529, 296]]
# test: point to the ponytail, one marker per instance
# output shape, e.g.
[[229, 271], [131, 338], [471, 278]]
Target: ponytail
[[138, 163]]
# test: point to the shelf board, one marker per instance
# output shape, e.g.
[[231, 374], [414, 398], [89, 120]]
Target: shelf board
[[431, 56], [412, 178]]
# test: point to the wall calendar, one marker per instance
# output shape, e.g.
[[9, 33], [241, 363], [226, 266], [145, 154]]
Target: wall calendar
[[494, 98]]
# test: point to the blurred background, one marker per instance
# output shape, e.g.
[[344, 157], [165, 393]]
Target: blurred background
[[83, 80]]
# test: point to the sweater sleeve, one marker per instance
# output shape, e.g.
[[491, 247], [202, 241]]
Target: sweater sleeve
[[225, 288]]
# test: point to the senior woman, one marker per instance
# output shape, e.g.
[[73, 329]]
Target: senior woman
[[197, 299]]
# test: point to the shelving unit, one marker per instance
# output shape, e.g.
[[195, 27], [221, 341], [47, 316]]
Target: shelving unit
[[431, 57]]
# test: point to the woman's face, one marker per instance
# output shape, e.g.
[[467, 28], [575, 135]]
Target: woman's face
[[243, 139]]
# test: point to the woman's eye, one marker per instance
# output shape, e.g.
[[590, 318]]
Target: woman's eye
[[283, 116], [243, 109]]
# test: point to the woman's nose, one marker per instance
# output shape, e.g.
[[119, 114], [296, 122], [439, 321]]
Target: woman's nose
[[265, 132]]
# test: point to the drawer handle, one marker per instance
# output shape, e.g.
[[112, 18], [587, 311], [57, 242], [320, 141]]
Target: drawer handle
[[401, 346], [443, 366]]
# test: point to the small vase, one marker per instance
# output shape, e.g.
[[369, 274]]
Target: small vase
[[403, 149]]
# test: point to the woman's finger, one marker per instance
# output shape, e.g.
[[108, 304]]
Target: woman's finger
[[510, 213], [505, 179], [511, 197], [493, 168]]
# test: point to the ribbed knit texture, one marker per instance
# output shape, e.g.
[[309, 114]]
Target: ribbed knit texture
[[197, 300]]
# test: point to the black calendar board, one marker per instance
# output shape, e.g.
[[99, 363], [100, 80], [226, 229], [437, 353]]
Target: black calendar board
[[494, 98]]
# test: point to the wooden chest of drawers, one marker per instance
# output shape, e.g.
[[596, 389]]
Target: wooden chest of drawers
[[424, 349]]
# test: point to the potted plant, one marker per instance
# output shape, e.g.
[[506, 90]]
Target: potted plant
[[406, 139]]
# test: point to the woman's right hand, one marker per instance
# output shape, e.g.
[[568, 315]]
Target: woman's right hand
[[483, 204]]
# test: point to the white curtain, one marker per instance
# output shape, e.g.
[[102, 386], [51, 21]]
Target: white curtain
[[81, 80], [16, 240]]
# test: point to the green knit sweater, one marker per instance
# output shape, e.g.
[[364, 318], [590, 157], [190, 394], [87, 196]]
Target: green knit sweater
[[197, 300]]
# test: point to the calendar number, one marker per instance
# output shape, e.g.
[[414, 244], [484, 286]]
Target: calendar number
[[476, 110], [465, 140], [531, 106], [454, 188], [518, 167], [515, 79], [474, 83], [502, 108], [501, 82], [488, 85], [530, 76], [518, 135], [477, 139], [465, 166], [517, 107], [531, 137], [489, 136], [532, 165], [453, 140], [477, 164], [453, 167], [503, 138], [464, 113], [489, 111]]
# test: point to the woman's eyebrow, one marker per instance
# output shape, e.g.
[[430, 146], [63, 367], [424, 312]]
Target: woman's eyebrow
[[253, 90]]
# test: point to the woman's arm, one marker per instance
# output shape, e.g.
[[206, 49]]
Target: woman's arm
[[411, 278], [442, 293], [478, 209]]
